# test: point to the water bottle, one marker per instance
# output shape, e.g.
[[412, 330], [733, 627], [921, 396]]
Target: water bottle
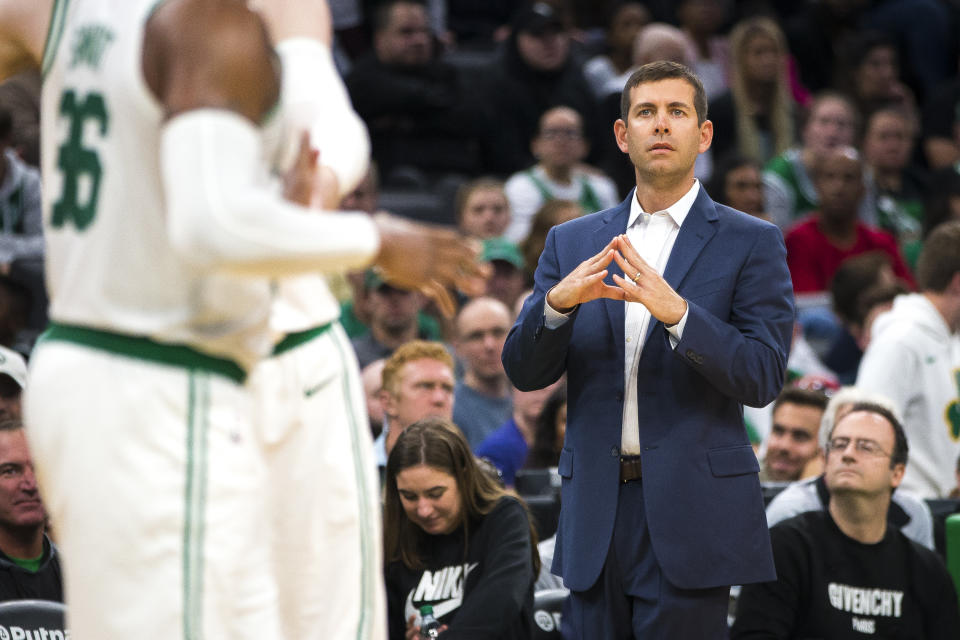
[[429, 626]]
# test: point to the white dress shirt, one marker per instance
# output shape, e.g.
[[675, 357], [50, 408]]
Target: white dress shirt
[[653, 236]]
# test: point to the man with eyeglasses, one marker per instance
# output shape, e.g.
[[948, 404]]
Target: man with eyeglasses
[[842, 572]]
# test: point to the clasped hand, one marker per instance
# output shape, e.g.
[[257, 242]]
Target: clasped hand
[[642, 283]]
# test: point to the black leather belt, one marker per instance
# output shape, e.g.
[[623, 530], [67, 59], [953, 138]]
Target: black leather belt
[[630, 468]]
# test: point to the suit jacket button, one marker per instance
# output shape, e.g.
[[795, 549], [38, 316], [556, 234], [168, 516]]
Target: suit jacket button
[[619, 397], [615, 452], [691, 355]]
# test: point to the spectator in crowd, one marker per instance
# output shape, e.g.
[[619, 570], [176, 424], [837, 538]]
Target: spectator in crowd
[[908, 513], [537, 72], [21, 215], [482, 396], [420, 111], [701, 21], [873, 75], [29, 561], [20, 95], [13, 378], [509, 278], [550, 430], [454, 539], [560, 148], [417, 382], [394, 320], [756, 116], [547, 217], [862, 287], [844, 571], [831, 122], [608, 72], [912, 359], [816, 246], [793, 450], [737, 182], [898, 185], [661, 41], [482, 208], [941, 116], [507, 447], [372, 378]]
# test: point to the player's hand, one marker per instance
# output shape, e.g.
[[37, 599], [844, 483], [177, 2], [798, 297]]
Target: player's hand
[[430, 259], [413, 631], [644, 285], [585, 283], [310, 183], [300, 181]]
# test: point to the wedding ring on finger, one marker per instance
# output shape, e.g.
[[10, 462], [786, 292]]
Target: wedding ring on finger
[[636, 278]]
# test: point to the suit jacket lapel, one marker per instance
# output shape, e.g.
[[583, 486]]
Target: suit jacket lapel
[[613, 222]]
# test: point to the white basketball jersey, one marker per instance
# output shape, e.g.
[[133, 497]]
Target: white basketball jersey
[[110, 265]]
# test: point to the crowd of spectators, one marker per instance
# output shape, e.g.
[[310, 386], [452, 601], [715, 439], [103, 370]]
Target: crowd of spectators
[[837, 121]]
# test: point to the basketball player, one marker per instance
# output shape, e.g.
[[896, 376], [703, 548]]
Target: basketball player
[[162, 230]]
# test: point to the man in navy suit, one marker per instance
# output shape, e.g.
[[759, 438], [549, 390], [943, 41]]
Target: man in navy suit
[[666, 323]]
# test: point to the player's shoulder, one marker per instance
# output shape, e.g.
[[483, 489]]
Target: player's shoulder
[[215, 53], [204, 25]]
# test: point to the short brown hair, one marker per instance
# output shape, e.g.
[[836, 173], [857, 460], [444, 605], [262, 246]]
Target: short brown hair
[[940, 258], [801, 397], [665, 70], [408, 352]]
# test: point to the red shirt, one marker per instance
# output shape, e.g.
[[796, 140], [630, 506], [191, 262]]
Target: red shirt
[[813, 259]]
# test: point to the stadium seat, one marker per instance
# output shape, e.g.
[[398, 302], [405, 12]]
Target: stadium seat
[[33, 619], [547, 609]]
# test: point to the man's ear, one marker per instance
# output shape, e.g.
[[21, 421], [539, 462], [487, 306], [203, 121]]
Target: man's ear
[[897, 476], [388, 402], [620, 133], [706, 135]]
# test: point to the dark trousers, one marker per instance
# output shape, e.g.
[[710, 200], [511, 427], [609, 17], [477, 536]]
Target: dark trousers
[[632, 599]]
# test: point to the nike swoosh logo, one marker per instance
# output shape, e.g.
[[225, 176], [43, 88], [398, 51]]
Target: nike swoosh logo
[[309, 391], [440, 609]]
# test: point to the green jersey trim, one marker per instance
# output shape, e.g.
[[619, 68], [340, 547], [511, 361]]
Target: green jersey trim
[[142, 348], [54, 33], [293, 340]]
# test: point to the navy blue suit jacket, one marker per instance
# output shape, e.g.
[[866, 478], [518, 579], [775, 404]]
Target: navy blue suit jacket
[[700, 486]]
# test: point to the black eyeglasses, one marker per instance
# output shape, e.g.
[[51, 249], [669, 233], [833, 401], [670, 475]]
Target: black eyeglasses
[[863, 445]]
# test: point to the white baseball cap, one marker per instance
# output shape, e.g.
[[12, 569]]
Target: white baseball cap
[[12, 364]]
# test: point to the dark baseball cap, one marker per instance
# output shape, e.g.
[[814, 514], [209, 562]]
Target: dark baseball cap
[[537, 18]]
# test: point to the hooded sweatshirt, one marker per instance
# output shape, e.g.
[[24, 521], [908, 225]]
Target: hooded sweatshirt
[[914, 359], [16, 583]]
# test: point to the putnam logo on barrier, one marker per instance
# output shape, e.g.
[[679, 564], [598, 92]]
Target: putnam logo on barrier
[[19, 633]]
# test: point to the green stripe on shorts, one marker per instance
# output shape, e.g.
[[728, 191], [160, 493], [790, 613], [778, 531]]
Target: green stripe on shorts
[[194, 506]]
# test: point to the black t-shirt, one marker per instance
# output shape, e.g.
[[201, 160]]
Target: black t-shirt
[[831, 586], [483, 591]]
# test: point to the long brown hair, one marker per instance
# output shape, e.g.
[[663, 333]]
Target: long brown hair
[[438, 443]]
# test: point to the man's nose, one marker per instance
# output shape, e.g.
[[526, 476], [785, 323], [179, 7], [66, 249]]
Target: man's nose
[[28, 481]]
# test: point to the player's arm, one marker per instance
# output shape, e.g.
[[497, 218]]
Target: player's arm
[[23, 32], [314, 97], [210, 64]]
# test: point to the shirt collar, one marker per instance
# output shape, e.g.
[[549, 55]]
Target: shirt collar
[[677, 211]]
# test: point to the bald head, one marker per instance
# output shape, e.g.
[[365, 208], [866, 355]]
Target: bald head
[[482, 327], [838, 178]]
